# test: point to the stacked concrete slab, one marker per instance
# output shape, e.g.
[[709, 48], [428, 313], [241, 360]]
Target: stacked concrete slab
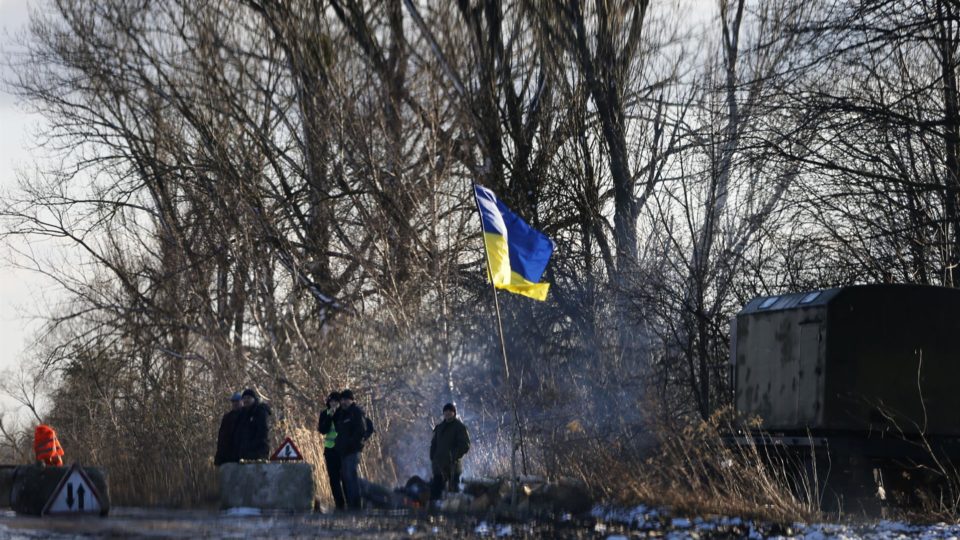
[[268, 486]]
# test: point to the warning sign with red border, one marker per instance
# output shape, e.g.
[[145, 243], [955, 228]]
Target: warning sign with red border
[[287, 452], [75, 494]]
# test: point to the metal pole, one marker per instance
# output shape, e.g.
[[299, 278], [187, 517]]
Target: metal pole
[[496, 299], [517, 442], [516, 415]]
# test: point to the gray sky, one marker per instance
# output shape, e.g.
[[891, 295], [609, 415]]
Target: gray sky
[[19, 289]]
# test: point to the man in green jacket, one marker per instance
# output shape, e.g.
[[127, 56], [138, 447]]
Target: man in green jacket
[[450, 443], [331, 455]]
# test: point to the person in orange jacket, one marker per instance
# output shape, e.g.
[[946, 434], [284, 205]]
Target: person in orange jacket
[[47, 447]]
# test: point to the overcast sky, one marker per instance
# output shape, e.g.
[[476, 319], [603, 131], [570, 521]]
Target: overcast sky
[[19, 289]]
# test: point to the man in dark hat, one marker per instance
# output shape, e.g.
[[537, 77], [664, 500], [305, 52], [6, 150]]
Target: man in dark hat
[[450, 443], [350, 427], [226, 451], [252, 435], [331, 456]]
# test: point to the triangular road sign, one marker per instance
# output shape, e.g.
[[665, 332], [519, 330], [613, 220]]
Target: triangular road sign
[[75, 494], [287, 452]]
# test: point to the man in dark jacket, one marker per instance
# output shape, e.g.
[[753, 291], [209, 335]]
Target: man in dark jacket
[[226, 452], [350, 428], [252, 435], [331, 456], [450, 443]]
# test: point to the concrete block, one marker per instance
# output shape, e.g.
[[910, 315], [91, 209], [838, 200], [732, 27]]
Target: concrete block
[[268, 486], [7, 474], [31, 486]]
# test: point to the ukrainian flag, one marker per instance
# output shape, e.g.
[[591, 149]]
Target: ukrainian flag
[[517, 254]]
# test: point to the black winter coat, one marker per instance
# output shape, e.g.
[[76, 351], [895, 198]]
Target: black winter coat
[[226, 451], [251, 438], [350, 427], [328, 423], [450, 443]]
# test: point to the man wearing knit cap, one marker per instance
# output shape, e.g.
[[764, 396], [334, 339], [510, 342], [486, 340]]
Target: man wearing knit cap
[[226, 451], [350, 428], [252, 435], [450, 443]]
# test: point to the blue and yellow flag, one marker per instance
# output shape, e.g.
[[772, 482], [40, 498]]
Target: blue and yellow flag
[[516, 252]]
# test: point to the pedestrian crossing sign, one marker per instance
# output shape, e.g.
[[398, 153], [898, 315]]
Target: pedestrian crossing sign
[[75, 494], [287, 452]]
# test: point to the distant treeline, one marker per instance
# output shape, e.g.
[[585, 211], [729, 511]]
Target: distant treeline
[[277, 194]]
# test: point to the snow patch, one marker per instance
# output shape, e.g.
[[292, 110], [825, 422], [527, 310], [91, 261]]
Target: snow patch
[[242, 511]]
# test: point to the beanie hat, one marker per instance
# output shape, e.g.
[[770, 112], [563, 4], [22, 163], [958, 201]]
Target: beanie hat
[[236, 397], [346, 394], [250, 392], [450, 407]]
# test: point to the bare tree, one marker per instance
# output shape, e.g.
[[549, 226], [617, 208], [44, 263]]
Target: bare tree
[[734, 185]]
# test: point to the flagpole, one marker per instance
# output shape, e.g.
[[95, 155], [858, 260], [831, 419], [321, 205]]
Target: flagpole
[[518, 428], [493, 286], [514, 390]]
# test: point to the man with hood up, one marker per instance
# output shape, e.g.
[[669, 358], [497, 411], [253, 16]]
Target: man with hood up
[[251, 437]]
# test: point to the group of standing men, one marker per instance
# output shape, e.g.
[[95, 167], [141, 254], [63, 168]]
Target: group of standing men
[[244, 435], [345, 429], [244, 430]]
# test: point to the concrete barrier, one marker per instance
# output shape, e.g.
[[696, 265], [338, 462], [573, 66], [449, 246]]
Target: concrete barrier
[[28, 488], [268, 486], [7, 474]]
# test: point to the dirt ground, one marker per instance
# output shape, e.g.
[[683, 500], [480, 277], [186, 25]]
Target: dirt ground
[[149, 523], [639, 523]]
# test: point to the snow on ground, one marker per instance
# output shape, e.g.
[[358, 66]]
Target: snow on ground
[[604, 523], [645, 521]]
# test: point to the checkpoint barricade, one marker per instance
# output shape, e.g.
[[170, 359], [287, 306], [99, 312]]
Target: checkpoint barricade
[[285, 483], [39, 490]]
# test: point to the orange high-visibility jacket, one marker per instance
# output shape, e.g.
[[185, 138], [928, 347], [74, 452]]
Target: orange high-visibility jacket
[[47, 447]]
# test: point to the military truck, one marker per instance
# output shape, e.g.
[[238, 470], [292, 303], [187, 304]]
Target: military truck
[[859, 385]]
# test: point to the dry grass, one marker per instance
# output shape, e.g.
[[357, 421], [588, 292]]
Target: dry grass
[[935, 493], [310, 444], [690, 470], [694, 470], [172, 483], [149, 464]]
